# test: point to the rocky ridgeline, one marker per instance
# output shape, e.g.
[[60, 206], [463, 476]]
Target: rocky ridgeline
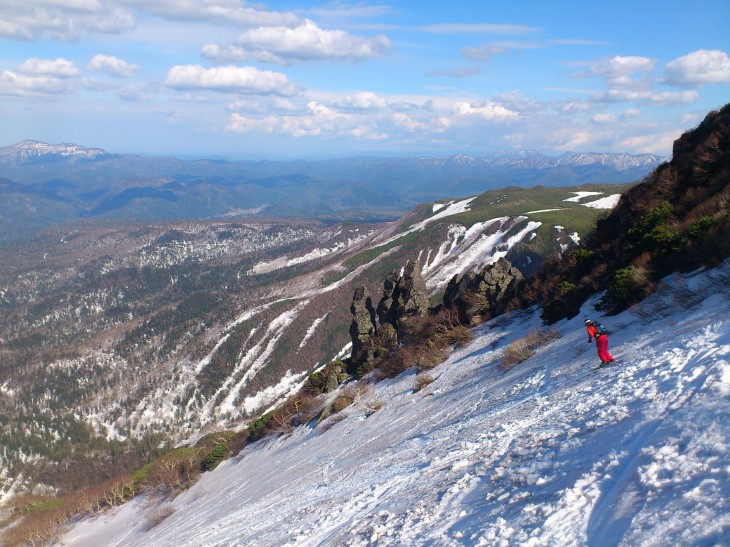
[[475, 296]]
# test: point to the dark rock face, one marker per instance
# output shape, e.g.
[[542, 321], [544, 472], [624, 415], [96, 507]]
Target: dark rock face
[[483, 295], [362, 328], [404, 299], [386, 306], [410, 297]]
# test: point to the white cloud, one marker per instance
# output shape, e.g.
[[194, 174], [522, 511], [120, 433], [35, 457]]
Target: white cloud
[[699, 67], [572, 107], [650, 144], [36, 77], [230, 79], [137, 93], [619, 70], [233, 12], [306, 42], [263, 105], [488, 111], [647, 96], [631, 113], [319, 121], [408, 123], [61, 20], [483, 53], [603, 118], [363, 100], [58, 68], [20, 85], [113, 66]]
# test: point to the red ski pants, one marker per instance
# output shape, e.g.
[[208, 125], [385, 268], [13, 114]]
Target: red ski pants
[[602, 347]]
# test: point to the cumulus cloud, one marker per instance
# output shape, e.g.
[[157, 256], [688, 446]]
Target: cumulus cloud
[[305, 42], [408, 123], [65, 21], [487, 111], [21, 85], [230, 79], [320, 120], [618, 70], [113, 66], [36, 77], [363, 100], [58, 68], [699, 67], [483, 53]]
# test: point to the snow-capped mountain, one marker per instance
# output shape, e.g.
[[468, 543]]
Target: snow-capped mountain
[[30, 149], [618, 161], [550, 452], [531, 159]]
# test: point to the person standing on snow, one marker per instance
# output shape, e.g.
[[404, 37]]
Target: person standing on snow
[[601, 341]]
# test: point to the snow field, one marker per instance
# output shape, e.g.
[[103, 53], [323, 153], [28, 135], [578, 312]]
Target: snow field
[[549, 453]]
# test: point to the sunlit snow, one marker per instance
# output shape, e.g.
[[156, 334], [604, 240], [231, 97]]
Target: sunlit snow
[[452, 208], [580, 195], [548, 453], [609, 202]]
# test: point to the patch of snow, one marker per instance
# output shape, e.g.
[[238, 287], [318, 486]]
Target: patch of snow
[[452, 208], [609, 202], [311, 329], [542, 211], [288, 385], [580, 195], [472, 249]]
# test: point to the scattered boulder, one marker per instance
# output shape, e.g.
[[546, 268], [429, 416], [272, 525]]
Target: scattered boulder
[[330, 377]]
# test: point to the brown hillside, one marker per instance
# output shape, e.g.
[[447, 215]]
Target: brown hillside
[[675, 220]]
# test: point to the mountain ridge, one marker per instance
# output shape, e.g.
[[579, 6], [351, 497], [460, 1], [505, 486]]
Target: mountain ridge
[[622, 160]]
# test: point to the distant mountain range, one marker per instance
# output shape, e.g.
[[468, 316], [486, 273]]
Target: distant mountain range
[[43, 184], [30, 150]]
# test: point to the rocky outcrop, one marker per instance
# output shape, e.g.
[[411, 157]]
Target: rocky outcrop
[[410, 298], [479, 296], [362, 328], [404, 299], [387, 332]]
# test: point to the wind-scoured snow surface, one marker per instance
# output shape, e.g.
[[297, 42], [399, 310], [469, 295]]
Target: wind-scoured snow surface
[[550, 452]]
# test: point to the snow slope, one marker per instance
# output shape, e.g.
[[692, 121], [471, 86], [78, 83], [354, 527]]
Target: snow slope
[[548, 453]]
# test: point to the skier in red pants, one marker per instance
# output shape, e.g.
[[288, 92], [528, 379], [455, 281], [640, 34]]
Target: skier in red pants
[[601, 341]]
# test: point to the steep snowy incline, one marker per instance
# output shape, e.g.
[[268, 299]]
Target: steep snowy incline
[[548, 453]]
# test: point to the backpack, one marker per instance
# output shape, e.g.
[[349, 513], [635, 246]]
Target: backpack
[[600, 329]]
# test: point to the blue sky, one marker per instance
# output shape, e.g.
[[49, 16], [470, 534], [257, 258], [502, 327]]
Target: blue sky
[[288, 79]]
